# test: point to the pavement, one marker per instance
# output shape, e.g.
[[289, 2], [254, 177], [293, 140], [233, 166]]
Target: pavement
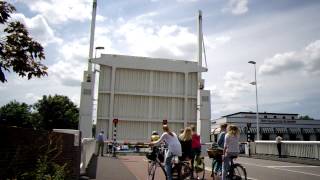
[[134, 167]]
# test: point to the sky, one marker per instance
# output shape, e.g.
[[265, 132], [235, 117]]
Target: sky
[[283, 37]]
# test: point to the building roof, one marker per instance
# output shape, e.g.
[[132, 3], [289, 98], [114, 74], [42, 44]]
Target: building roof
[[148, 63], [260, 113]]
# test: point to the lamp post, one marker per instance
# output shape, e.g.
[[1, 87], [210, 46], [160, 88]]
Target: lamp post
[[256, 84]]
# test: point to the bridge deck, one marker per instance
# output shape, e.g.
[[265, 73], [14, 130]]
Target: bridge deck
[[135, 168]]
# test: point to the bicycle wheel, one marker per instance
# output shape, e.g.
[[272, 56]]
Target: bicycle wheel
[[238, 172], [199, 169], [185, 171], [156, 171]]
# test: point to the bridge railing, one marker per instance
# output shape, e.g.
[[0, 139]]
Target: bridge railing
[[306, 149], [87, 150]]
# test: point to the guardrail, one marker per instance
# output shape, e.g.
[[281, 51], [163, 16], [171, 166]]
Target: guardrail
[[88, 147], [306, 149]]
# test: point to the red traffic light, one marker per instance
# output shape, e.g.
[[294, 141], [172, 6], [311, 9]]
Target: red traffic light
[[115, 121]]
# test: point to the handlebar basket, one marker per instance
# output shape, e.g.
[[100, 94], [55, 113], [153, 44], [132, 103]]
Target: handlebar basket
[[214, 153]]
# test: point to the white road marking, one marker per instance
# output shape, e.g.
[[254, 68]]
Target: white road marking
[[301, 172], [292, 166], [283, 169], [210, 170]]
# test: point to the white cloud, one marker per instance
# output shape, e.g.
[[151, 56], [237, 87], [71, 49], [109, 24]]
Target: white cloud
[[71, 62], [32, 97], [177, 0], [237, 7], [143, 37], [234, 87], [38, 28], [306, 60], [58, 12]]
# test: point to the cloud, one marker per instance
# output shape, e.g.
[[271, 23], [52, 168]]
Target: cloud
[[70, 62], [38, 28], [237, 7], [306, 60], [143, 37], [32, 97], [177, 0], [57, 12], [234, 87]]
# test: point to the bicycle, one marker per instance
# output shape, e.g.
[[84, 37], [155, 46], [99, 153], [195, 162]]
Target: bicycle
[[236, 171], [155, 168], [199, 167]]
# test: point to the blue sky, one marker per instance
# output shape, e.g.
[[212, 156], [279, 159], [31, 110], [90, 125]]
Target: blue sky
[[281, 36]]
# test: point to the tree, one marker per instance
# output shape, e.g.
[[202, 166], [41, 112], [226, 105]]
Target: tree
[[56, 112], [16, 114], [18, 51], [306, 117]]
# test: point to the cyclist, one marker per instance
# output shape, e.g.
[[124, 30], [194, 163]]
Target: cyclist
[[174, 148], [155, 136], [218, 162], [230, 149], [185, 139], [196, 145]]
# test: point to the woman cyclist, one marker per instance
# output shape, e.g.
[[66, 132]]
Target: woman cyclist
[[231, 148], [185, 139], [174, 148]]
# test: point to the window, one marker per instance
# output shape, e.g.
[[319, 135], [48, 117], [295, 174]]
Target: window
[[274, 117], [292, 117], [283, 117], [265, 117]]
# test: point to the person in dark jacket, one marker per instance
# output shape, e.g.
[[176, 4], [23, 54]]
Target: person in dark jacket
[[185, 139]]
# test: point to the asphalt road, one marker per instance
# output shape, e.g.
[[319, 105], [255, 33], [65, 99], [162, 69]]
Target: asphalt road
[[258, 169], [135, 168]]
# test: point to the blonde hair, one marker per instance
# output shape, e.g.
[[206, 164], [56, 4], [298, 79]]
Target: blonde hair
[[233, 130], [167, 129], [186, 135]]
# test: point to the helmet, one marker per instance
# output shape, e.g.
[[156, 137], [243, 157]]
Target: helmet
[[155, 133]]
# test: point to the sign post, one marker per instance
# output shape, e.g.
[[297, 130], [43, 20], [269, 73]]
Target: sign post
[[115, 122], [248, 137]]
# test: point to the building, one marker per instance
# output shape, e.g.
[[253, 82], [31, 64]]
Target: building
[[142, 92], [286, 125]]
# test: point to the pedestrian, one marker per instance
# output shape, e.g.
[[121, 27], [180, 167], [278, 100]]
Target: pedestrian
[[278, 141], [230, 149], [100, 140], [218, 162], [174, 148], [186, 144], [196, 146]]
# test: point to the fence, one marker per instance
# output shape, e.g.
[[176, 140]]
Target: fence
[[306, 149]]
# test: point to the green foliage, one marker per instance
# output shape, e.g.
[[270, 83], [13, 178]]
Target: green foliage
[[16, 114], [56, 112], [306, 117], [51, 112], [18, 51], [46, 168]]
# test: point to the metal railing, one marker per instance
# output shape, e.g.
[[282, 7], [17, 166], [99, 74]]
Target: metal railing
[[306, 149], [88, 147]]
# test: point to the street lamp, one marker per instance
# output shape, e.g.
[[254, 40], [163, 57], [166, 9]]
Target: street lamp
[[256, 84]]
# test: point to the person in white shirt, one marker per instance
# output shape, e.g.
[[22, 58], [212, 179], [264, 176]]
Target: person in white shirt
[[278, 141], [174, 148], [230, 149], [100, 139]]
